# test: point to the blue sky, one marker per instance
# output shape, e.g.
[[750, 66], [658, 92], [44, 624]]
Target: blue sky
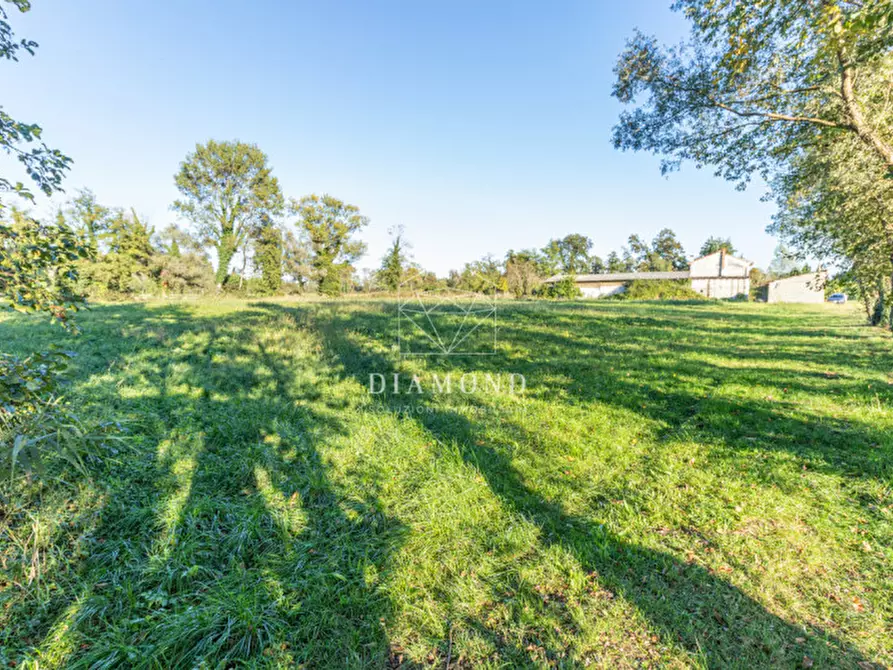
[[478, 126]]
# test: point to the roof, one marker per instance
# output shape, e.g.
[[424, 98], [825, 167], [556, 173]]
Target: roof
[[743, 260], [623, 276]]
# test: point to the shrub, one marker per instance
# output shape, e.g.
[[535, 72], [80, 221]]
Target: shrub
[[564, 288], [664, 289], [186, 273]]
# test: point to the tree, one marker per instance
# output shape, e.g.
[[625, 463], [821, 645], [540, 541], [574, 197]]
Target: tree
[[713, 244], [45, 166], [523, 273], [175, 242], [667, 251], [38, 262], [613, 264], [329, 225], [834, 202], [483, 276], [635, 254], [268, 256], [126, 265], [569, 255], [664, 254], [38, 268], [228, 190], [755, 83], [390, 275], [296, 259], [785, 262], [89, 218]]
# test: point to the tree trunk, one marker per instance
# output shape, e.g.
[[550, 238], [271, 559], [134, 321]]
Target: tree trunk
[[225, 253], [866, 301], [860, 124], [881, 305], [242, 271], [890, 317]]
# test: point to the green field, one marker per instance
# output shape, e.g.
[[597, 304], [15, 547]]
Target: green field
[[679, 485]]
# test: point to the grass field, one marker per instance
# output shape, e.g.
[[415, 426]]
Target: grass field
[[679, 485]]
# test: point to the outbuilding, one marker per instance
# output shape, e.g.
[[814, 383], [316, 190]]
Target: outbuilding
[[716, 275], [808, 288]]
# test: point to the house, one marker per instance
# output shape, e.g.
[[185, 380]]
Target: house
[[717, 275], [720, 275], [808, 288]]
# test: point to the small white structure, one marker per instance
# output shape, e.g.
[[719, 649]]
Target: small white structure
[[717, 275], [720, 275], [808, 288]]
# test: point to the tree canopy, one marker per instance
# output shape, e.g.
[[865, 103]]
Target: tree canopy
[[329, 225], [713, 244], [228, 190], [569, 254], [755, 82], [664, 254]]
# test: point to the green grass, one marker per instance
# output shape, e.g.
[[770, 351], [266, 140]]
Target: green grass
[[702, 485]]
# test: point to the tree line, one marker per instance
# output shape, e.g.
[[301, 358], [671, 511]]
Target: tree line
[[266, 244]]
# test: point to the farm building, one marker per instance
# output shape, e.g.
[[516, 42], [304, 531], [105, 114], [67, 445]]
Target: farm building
[[808, 288], [717, 275]]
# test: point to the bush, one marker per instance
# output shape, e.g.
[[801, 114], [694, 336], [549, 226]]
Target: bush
[[30, 409], [664, 289], [565, 288], [186, 273], [36, 422]]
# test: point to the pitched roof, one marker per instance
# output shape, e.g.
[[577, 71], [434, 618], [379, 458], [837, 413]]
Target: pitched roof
[[623, 276], [743, 260]]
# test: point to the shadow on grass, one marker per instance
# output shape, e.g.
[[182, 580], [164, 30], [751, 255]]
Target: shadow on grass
[[223, 539], [690, 606]]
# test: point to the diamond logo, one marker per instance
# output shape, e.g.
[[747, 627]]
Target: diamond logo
[[446, 322]]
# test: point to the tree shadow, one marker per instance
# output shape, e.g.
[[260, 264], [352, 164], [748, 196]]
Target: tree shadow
[[687, 604], [225, 539]]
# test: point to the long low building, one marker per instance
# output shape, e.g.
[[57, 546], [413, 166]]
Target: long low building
[[717, 275]]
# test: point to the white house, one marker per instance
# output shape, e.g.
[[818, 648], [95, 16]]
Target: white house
[[720, 275]]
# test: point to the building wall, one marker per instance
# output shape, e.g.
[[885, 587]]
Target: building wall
[[601, 289], [800, 289], [709, 266], [721, 287]]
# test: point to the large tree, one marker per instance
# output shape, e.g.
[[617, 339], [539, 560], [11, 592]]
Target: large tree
[[329, 225], [228, 191], [834, 203], [755, 83], [569, 255], [667, 250]]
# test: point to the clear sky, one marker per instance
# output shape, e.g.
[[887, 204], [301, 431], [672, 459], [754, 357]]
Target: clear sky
[[478, 126]]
